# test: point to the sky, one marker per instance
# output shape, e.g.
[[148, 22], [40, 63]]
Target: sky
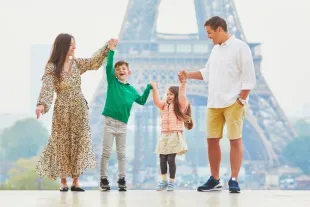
[[280, 25]]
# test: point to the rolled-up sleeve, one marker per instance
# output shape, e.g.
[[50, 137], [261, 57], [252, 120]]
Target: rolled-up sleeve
[[245, 61]]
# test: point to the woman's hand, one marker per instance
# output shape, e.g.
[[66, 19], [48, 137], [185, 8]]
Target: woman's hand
[[112, 44], [39, 110]]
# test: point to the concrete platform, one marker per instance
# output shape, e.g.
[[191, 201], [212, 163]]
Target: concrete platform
[[155, 199]]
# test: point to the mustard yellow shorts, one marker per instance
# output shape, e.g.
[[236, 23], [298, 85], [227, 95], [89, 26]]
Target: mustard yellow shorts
[[233, 116]]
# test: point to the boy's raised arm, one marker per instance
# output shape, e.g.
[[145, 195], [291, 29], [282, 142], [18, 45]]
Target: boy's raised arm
[[109, 67]]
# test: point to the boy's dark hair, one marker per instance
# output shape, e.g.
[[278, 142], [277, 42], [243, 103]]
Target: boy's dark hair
[[215, 22], [121, 62]]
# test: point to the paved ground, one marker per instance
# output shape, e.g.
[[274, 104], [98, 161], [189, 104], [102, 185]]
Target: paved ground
[[155, 199]]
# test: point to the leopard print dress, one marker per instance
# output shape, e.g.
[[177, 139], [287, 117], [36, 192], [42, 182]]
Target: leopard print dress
[[69, 149]]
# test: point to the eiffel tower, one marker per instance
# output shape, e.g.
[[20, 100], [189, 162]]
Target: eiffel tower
[[158, 57]]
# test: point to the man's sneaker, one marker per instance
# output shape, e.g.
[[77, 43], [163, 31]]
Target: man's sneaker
[[104, 184], [233, 186], [162, 185], [210, 185], [170, 186], [122, 184]]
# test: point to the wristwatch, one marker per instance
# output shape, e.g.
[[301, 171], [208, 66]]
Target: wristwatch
[[242, 101]]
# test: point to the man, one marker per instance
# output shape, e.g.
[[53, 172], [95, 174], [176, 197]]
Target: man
[[231, 76]]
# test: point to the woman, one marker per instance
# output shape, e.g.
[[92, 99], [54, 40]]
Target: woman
[[69, 149]]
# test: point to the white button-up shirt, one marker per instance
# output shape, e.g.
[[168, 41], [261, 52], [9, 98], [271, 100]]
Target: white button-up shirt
[[229, 70]]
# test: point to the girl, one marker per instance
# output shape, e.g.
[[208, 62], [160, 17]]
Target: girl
[[175, 111]]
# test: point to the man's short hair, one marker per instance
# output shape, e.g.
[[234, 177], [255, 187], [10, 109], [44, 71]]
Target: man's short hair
[[215, 22]]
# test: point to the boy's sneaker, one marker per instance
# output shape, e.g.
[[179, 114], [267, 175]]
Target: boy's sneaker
[[170, 186], [162, 185], [104, 184], [122, 184], [210, 185], [233, 186]]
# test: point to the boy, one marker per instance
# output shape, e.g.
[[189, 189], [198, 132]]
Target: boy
[[120, 97]]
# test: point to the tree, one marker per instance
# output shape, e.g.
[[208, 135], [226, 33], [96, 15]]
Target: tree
[[298, 153], [23, 140], [23, 177]]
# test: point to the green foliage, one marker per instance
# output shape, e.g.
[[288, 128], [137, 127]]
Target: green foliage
[[23, 177], [298, 153], [22, 140]]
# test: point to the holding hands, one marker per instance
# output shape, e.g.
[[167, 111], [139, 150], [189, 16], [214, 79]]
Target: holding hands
[[154, 85], [112, 44], [182, 75]]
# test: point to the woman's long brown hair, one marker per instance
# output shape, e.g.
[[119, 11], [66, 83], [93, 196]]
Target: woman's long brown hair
[[59, 52], [186, 117]]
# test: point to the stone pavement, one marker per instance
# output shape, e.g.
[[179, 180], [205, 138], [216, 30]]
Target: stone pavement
[[136, 198]]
